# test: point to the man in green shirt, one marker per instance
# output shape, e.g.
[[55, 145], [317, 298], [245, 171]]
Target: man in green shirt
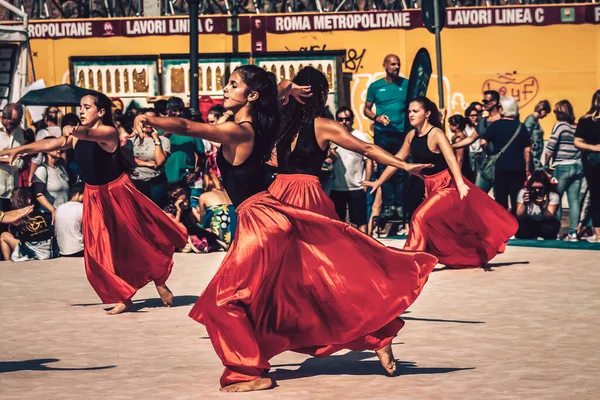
[[389, 96]]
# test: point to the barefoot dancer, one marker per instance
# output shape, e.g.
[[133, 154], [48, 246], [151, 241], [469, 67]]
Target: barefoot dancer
[[294, 279], [462, 231], [128, 240]]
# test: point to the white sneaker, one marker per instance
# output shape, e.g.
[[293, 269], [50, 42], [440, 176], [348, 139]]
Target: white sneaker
[[572, 237], [593, 239]]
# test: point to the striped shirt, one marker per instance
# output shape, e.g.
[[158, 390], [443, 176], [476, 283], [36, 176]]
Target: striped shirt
[[563, 136]]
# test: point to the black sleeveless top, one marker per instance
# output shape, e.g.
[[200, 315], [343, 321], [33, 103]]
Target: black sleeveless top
[[307, 157], [98, 167], [244, 180], [422, 155]]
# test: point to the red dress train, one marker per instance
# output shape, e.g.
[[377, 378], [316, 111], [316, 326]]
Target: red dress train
[[128, 240], [302, 281], [463, 233]]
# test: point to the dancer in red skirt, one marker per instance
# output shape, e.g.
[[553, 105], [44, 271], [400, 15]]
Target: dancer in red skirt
[[458, 222], [128, 240], [294, 279]]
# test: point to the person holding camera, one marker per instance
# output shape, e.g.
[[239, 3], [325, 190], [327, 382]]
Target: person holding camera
[[537, 204]]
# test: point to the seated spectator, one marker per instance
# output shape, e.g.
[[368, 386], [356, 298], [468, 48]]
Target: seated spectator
[[537, 204], [178, 208], [217, 212], [150, 152], [32, 236], [51, 182], [67, 223]]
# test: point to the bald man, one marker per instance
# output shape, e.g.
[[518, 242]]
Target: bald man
[[389, 96]]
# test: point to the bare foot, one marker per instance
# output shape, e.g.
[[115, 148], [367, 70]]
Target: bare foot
[[165, 295], [386, 357], [119, 308], [257, 384]]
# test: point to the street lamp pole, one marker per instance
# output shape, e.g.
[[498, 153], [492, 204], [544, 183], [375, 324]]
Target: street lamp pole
[[193, 7]]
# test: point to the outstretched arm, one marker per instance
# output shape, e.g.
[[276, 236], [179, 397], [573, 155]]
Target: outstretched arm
[[389, 170], [328, 130], [466, 141], [103, 134], [225, 133], [41, 146]]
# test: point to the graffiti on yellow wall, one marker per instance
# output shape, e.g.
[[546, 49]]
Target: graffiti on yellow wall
[[523, 90]]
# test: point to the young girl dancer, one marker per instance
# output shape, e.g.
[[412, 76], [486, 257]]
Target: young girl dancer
[[297, 280], [458, 222], [128, 240]]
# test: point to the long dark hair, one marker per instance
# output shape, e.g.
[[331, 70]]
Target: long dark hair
[[428, 105], [102, 102], [264, 110], [21, 197], [595, 107], [294, 116], [458, 121]]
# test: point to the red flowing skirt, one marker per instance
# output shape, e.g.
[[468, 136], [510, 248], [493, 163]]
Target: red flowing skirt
[[128, 240], [303, 191], [463, 233], [297, 280]]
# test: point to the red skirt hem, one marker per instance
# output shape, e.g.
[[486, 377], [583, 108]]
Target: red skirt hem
[[128, 240]]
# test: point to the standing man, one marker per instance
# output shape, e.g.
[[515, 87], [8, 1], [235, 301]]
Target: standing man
[[389, 95], [348, 171], [11, 135]]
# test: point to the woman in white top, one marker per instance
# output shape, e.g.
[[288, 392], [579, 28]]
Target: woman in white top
[[51, 182]]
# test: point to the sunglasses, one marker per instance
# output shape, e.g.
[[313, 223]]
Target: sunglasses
[[342, 119], [473, 115], [484, 101]]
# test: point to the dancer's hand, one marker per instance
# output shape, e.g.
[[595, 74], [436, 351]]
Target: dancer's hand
[[463, 190], [416, 169], [139, 124], [13, 216], [374, 185], [11, 153], [69, 130], [297, 92]]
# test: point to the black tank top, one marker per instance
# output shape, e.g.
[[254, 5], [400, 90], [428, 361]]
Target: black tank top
[[244, 180], [422, 155], [98, 166], [307, 157]]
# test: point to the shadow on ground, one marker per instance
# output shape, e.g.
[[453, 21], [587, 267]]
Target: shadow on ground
[[155, 302], [453, 321], [487, 267], [352, 363], [40, 365]]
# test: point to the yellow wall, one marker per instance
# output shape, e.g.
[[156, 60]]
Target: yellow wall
[[563, 60], [473, 56]]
